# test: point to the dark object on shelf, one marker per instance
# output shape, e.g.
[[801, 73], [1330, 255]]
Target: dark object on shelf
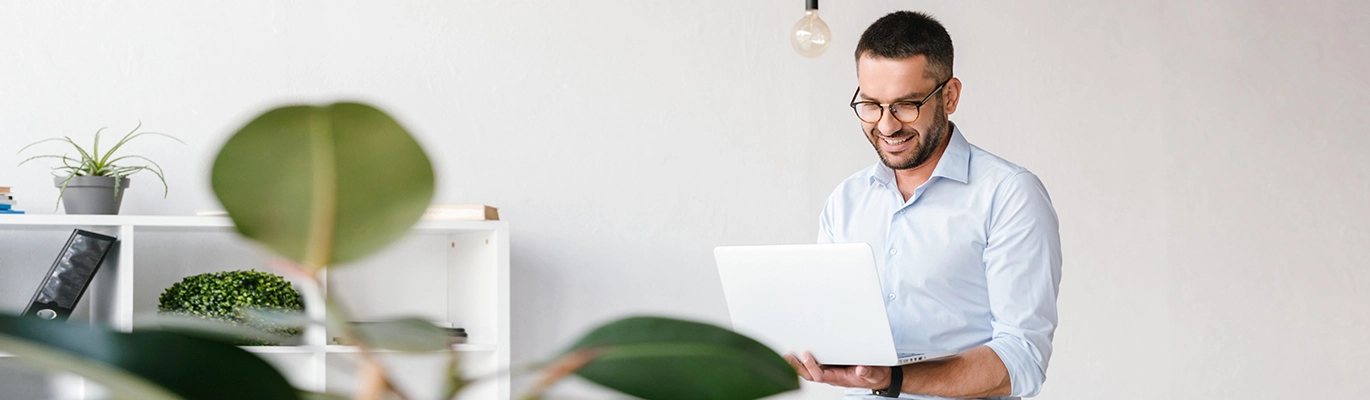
[[70, 275], [224, 295], [456, 335]]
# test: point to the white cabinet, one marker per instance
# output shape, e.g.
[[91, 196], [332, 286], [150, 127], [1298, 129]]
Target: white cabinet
[[450, 272]]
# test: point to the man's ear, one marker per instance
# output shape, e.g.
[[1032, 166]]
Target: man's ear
[[952, 94]]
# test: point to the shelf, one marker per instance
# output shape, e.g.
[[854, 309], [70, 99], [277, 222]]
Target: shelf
[[179, 223], [455, 347], [279, 349], [462, 347], [113, 220], [441, 270]]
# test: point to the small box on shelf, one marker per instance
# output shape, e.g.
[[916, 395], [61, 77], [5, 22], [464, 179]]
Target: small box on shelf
[[467, 212]]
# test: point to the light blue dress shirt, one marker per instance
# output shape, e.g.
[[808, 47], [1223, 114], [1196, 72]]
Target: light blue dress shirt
[[972, 258]]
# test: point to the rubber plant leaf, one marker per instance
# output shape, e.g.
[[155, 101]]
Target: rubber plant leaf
[[323, 185], [666, 359]]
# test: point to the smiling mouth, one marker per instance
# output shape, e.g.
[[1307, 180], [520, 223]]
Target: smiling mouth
[[895, 142]]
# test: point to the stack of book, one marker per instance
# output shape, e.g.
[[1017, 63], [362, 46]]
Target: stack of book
[[7, 202]]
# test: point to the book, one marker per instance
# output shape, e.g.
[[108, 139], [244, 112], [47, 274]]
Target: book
[[70, 275], [469, 212], [7, 202]]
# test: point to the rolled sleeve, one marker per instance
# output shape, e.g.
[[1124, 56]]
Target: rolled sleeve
[[1023, 265]]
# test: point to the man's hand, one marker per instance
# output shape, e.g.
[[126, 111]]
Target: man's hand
[[845, 376]]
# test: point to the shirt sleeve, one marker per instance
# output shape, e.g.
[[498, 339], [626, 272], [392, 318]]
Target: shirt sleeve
[[825, 221], [1023, 268]]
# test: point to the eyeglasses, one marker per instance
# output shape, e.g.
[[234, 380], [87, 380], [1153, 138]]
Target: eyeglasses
[[905, 111]]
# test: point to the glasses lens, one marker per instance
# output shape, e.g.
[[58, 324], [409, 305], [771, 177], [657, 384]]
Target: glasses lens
[[869, 112], [905, 112]]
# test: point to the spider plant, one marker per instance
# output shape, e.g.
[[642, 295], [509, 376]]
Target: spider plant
[[95, 163]]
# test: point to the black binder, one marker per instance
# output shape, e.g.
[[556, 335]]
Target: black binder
[[70, 275]]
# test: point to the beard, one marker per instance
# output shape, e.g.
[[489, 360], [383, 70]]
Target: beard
[[925, 144]]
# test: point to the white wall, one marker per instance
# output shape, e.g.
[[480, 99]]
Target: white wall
[[1202, 155]]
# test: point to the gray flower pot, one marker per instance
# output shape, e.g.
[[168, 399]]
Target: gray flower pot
[[92, 194]]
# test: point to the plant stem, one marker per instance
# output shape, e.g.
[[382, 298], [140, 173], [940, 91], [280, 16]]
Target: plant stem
[[564, 366], [319, 250], [371, 370]]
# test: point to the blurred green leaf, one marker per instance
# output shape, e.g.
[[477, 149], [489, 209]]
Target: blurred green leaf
[[405, 334], [190, 367], [120, 383], [323, 185], [664, 359]]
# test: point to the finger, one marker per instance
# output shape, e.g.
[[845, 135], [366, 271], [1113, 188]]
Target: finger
[[815, 369], [867, 374], [798, 367], [841, 375]]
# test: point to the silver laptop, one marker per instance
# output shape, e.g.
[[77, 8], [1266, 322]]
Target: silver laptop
[[821, 298]]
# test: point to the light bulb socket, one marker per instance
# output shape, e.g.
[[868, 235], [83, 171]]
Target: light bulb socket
[[810, 4]]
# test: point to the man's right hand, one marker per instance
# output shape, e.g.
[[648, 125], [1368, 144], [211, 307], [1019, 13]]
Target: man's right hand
[[859, 376]]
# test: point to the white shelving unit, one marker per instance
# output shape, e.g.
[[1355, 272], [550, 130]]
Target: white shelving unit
[[450, 272]]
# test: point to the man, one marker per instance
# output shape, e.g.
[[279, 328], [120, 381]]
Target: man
[[966, 242]]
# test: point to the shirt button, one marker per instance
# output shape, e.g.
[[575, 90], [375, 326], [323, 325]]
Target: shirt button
[[891, 296], [894, 251]]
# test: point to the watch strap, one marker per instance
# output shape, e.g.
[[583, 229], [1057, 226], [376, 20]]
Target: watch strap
[[896, 383]]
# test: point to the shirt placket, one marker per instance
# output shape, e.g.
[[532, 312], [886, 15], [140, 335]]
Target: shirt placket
[[889, 282], [893, 237]]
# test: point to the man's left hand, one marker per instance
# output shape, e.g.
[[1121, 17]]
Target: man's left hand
[[845, 376]]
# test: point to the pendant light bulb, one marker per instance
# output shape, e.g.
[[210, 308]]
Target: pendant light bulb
[[810, 35]]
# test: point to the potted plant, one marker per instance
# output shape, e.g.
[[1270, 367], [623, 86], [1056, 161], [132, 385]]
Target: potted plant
[[225, 296], [94, 183]]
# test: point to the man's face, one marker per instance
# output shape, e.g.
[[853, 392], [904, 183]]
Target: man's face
[[885, 81]]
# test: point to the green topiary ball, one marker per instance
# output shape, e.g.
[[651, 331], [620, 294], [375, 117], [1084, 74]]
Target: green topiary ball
[[223, 296]]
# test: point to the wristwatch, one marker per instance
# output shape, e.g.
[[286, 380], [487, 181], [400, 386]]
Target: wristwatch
[[896, 382]]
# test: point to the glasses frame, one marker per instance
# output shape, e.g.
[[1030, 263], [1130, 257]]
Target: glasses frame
[[917, 105]]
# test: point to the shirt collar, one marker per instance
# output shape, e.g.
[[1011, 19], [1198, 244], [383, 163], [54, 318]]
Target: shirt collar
[[954, 165]]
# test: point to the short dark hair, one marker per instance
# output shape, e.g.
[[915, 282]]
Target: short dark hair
[[904, 34]]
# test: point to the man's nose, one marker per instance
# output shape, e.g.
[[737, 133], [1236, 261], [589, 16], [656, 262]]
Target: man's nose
[[888, 124]]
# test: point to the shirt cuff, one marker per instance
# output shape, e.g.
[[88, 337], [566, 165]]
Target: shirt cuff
[[1024, 372]]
